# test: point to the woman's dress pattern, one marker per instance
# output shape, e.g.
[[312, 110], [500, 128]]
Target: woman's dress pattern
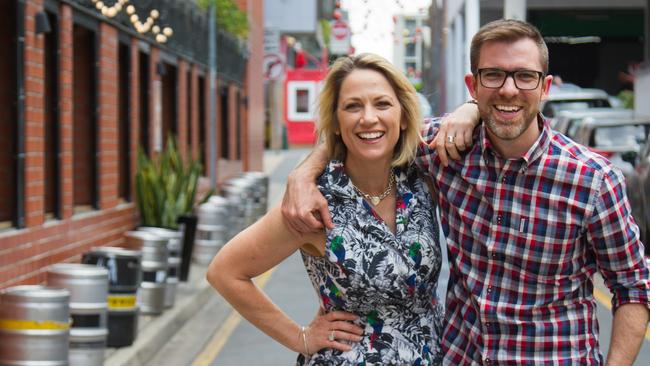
[[388, 280]]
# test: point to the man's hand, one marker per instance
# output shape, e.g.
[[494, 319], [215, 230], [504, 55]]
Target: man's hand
[[455, 133], [303, 206]]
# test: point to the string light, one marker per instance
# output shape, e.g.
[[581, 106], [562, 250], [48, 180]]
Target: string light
[[149, 24]]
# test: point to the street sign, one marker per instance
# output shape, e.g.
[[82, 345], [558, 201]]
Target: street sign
[[271, 40], [339, 37]]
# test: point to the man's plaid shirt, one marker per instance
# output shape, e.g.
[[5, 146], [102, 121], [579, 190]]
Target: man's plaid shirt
[[525, 236]]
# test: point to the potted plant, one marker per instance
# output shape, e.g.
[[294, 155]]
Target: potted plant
[[165, 193]]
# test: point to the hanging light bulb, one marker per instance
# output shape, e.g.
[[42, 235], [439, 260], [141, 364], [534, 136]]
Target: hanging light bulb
[[130, 9], [167, 31]]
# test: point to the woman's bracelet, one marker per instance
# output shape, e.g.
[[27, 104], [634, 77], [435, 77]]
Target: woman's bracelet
[[303, 334]]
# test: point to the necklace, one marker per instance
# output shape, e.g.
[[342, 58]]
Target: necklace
[[376, 199]]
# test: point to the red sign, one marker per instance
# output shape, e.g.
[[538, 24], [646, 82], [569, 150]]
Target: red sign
[[340, 30]]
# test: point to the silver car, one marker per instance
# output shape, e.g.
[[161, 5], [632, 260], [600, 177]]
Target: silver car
[[567, 122], [625, 143], [573, 99]]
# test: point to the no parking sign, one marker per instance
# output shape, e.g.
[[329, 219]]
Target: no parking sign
[[339, 38]]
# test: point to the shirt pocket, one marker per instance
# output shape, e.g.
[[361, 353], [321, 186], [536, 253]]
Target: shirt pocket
[[547, 247]]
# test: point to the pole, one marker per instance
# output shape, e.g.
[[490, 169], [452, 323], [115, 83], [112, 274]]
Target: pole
[[212, 105]]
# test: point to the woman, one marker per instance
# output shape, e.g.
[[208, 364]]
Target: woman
[[376, 272]]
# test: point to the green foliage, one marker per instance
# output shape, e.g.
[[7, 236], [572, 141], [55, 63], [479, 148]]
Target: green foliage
[[627, 97], [166, 186], [326, 29], [418, 86], [229, 17]]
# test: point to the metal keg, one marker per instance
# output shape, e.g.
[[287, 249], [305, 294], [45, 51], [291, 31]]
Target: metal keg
[[174, 247], [238, 193], [88, 286], [124, 277], [151, 294], [34, 326], [209, 239], [260, 185]]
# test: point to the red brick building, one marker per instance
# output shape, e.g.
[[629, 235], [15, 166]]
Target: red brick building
[[76, 102]]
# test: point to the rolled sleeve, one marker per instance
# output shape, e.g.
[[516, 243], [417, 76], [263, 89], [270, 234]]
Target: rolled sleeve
[[427, 156], [615, 239]]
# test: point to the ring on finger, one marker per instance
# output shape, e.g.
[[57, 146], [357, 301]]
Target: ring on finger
[[331, 337], [451, 138]]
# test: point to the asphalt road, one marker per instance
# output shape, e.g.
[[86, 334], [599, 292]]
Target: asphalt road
[[225, 339]]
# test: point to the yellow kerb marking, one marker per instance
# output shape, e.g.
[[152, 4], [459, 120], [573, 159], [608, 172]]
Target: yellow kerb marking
[[214, 346]]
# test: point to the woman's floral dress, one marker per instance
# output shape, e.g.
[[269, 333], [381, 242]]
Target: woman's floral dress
[[388, 280]]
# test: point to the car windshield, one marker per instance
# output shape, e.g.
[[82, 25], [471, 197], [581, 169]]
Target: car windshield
[[618, 136], [554, 106]]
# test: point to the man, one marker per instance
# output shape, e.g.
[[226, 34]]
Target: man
[[529, 217]]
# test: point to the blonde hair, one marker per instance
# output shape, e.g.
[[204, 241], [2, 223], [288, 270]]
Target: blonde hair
[[328, 103], [507, 30]]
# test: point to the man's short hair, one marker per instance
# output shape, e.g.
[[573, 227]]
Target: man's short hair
[[507, 30]]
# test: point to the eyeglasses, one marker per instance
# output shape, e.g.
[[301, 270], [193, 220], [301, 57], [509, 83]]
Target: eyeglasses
[[524, 79]]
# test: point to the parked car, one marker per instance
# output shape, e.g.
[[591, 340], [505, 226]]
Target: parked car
[[638, 188], [567, 122], [625, 143], [560, 99]]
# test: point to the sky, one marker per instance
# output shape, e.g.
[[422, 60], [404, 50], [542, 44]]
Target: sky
[[371, 22]]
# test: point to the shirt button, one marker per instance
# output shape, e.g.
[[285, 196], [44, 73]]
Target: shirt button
[[489, 289], [499, 218], [494, 255], [487, 361], [504, 179], [487, 325]]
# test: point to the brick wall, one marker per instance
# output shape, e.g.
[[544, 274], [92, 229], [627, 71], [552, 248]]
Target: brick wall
[[25, 253]]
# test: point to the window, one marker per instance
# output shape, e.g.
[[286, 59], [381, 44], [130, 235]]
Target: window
[[8, 117], [203, 148], [302, 99], [169, 102], [188, 104], [84, 130], [223, 122], [410, 49], [144, 102], [51, 46], [124, 140]]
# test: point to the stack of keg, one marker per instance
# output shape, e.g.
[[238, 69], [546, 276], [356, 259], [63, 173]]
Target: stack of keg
[[174, 246], [88, 286], [212, 231], [34, 326], [151, 295], [239, 194], [124, 276], [259, 182]]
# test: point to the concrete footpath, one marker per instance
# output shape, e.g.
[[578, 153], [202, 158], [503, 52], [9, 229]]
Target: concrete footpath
[[171, 338]]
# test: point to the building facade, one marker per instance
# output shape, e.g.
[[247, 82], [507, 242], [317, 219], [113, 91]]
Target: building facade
[[87, 85]]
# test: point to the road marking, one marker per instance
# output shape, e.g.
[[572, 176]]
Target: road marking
[[605, 300], [214, 346]]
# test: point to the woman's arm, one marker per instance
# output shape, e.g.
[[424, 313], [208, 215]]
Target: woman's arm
[[255, 251]]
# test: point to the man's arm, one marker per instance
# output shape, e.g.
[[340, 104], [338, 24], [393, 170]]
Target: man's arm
[[460, 125], [620, 257], [628, 330], [303, 206]]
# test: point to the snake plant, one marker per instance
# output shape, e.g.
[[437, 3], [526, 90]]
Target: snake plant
[[166, 186]]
